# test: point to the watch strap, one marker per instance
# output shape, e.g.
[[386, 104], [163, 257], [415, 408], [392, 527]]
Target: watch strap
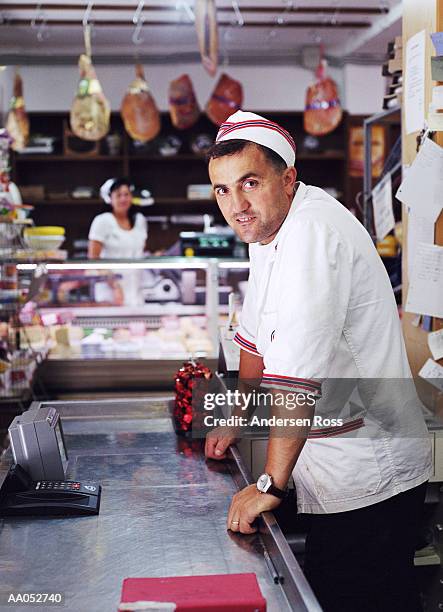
[[277, 492]]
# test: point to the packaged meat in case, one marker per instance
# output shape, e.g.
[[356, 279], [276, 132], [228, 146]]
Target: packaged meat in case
[[183, 105], [138, 110], [226, 99], [90, 112], [323, 112], [17, 122]]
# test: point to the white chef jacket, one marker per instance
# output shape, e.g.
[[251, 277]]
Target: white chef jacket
[[320, 310], [119, 243]]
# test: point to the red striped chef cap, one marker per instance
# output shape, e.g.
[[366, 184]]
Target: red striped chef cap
[[249, 126]]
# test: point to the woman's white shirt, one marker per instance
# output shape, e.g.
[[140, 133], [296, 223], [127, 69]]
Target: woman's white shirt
[[118, 242]]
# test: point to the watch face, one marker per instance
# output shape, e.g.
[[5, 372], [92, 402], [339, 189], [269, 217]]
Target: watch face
[[264, 482]]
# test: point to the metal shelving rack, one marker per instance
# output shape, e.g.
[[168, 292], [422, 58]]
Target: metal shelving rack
[[391, 164], [19, 360]]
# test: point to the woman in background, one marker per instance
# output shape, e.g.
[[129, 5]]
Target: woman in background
[[120, 234]]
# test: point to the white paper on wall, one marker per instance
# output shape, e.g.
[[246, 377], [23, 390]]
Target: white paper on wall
[[433, 372], [420, 229], [425, 294], [435, 122], [382, 202], [422, 188], [414, 77], [435, 343]]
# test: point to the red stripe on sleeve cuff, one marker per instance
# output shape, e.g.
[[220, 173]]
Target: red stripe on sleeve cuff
[[289, 383], [328, 432], [245, 344]]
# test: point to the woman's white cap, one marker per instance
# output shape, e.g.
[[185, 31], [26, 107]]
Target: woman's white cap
[[249, 126], [105, 190]]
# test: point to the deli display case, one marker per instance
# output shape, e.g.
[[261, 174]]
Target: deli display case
[[129, 325]]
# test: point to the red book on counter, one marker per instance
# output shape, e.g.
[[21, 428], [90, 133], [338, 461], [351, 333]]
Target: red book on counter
[[214, 593]]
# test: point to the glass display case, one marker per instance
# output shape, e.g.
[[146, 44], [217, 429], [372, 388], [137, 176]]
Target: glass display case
[[116, 324]]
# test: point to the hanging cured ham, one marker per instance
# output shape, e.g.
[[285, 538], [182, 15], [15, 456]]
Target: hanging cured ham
[[226, 99], [323, 112], [90, 112], [138, 110], [207, 33], [17, 122], [183, 106]]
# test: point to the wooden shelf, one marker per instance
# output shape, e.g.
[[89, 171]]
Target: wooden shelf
[[108, 158], [62, 201], [184, 201], [323, 156], [84, 158], [31, 157], [319, 156], [167, 158], [94, 201]]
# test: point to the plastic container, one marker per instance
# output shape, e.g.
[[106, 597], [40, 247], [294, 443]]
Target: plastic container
[[44, 242]]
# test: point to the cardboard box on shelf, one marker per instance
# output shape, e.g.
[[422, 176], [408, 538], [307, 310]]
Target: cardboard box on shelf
[[32, 192]]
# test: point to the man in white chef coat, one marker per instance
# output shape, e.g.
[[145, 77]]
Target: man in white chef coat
[[319, 309]]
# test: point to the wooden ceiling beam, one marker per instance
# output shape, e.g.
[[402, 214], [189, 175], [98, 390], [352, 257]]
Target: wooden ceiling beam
[[148, 23], [347, 10]]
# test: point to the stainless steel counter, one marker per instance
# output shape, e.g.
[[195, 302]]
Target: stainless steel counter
[[122, 374], [163, 513]]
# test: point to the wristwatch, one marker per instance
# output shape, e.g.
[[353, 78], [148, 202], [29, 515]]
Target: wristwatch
[[265, 485]]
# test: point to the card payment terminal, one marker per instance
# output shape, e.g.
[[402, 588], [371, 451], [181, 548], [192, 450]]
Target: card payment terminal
[[36, 483], [21, 496]]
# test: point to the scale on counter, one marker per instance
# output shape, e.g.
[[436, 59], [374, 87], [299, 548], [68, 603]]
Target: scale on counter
[[202, 244], [35, 484]]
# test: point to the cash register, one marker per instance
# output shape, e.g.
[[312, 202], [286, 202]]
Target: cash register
[[36, 483]]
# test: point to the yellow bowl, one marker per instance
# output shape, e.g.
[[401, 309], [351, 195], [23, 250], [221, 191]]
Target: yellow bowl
[[45, 230]]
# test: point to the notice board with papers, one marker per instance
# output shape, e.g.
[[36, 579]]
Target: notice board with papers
[[425, 15]]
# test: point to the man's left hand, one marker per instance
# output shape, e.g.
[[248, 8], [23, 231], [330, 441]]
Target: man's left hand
[[246, 506]]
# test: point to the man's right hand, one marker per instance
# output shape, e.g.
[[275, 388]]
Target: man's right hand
[[218, 441]]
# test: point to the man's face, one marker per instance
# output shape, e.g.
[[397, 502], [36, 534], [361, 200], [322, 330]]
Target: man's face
[[252, 195]]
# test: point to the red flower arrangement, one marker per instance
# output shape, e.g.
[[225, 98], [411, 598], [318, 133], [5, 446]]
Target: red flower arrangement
[[185, 380]]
